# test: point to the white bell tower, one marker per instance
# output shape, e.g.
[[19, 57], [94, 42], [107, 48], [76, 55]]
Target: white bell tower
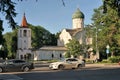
[[24, 40], [78, 19]]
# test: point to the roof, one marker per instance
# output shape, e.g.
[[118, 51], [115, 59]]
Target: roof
[[78, 14], [53, 48], [24, 22], [73, 31]]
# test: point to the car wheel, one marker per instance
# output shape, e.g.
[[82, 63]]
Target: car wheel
[[1, 70], [25, 69], [79, 66], [61, 67]]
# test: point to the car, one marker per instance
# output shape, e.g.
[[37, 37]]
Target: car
[[72, 63], [16, 65]]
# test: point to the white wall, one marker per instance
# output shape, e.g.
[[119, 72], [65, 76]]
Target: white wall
[[47, 54]]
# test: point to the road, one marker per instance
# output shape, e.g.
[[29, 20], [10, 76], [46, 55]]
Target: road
[[88, 73]]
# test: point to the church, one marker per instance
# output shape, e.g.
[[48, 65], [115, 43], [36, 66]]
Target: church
[[51, 52]]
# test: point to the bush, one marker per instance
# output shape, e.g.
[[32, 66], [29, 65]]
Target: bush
[[105, 61], [114, 59]]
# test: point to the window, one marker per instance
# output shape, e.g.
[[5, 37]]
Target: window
[[25, 33], [74, 60], [19, 61]]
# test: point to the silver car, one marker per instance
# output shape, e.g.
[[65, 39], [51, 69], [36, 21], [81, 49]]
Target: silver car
[[67, 63]]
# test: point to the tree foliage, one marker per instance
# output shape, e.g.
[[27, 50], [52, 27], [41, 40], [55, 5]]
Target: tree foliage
[[7, 8], [109, 25], [113, 4], [1, 30], [41, 36], [11, 43], [74, 48]]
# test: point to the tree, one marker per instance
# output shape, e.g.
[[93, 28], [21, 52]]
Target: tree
[[114, 4], [11, 43], [7, 7], [42, 37], [74, 48], [108, 23], [1, 30]]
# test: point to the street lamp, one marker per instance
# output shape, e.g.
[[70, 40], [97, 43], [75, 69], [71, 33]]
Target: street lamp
[[97, 51]]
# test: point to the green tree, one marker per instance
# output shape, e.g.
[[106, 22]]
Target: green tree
[[114, 4], [7, 8], [74, 48], [42, 37], [108, 23], [11, 43], [1, 30]]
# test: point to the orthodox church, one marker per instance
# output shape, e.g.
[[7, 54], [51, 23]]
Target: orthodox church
[[76, 32], [51, 52]]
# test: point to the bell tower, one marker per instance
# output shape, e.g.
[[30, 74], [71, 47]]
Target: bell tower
[[24, 39], [78, 19]]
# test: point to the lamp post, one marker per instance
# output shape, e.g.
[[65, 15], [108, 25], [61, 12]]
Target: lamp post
[[97, 51], [96, 40], [107, 50]]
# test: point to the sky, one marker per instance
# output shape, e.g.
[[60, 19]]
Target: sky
[[51, 14]]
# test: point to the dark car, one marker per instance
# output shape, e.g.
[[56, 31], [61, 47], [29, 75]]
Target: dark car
[[16, 65]]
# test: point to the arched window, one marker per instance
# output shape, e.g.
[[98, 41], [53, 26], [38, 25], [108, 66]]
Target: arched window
[[60, 55], [25, 33], [52, 56]]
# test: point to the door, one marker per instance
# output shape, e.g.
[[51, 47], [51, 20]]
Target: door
[[74, 63], [68, 63], [10, 66]]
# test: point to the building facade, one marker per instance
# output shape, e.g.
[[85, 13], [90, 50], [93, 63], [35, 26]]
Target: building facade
[[51, 52]]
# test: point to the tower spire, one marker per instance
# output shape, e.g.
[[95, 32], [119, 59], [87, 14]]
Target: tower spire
[[24, 22]]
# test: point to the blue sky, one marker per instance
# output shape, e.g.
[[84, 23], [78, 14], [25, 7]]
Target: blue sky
[[51, 14]]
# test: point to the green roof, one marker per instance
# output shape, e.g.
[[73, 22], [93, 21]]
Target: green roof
[[77, 14]]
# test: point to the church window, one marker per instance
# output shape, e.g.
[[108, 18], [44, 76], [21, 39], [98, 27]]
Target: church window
[[52, 56], [60, 55], [25, 33], [21, 56]]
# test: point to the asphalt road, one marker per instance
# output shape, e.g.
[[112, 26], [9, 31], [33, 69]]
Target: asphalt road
[[90, 72], [84, 74]]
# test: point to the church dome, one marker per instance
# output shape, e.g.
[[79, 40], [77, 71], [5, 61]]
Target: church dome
[[77, 14]]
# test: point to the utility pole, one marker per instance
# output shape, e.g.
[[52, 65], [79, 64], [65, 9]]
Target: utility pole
[[97, 51]]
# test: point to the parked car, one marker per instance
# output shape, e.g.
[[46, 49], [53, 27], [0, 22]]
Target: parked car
[[67, 63], [16, 65]]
